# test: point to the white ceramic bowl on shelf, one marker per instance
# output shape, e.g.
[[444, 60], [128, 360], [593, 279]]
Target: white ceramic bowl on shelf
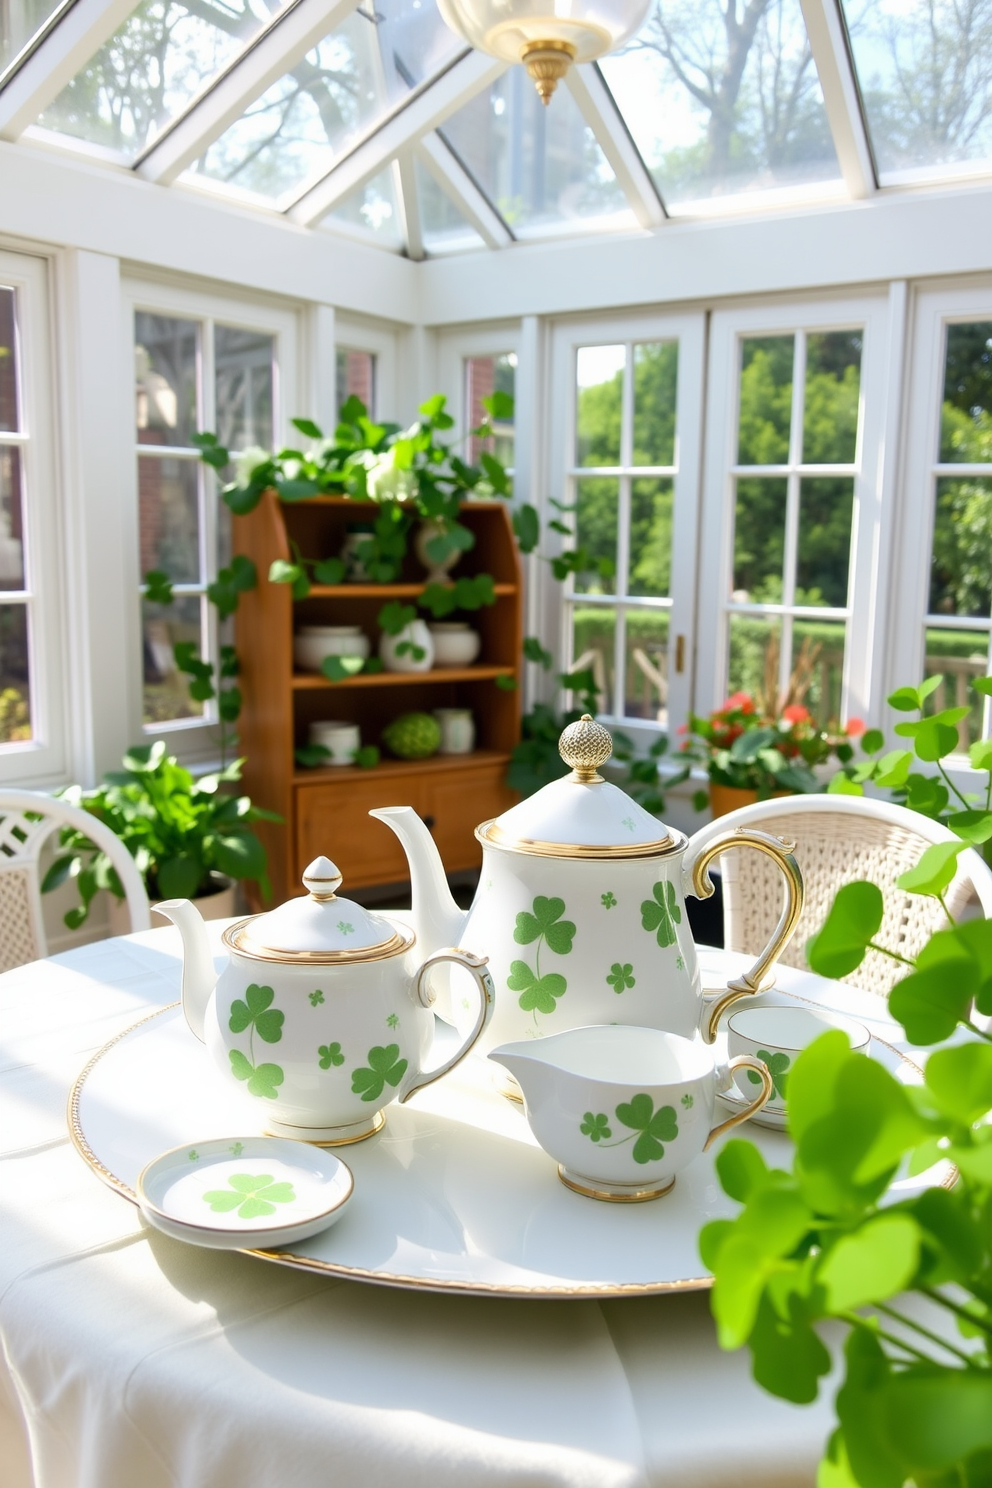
[[341, 738], [455, 643], [312, 643]]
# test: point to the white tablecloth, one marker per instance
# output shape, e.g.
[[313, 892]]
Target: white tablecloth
[[132, 1361]]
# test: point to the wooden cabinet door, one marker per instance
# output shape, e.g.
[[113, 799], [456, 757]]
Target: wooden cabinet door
[[455, 803], [334, 820]]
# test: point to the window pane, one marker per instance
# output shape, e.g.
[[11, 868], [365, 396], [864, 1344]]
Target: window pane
[[966, 416], [373, 208], [165, 378], [596, 532], [169, 517], [818, 668], [832, 397], [541, 167], [243, 371], [15, 684], [766, 400], [650, 537], [959, 656], [356, 378], [11, 519], [18, 24], [961, 575], [8, 362], [754, 652], [825, 508], [923, 66], [655, 378], [151, 68], [166, 692], [718, 104], [759, 540], [599, 382], [593, 632], [485, 376], [443, 227], [646, 665]]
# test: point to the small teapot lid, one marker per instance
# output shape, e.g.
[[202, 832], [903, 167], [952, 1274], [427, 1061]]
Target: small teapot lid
[[582, 815], [318, 927]]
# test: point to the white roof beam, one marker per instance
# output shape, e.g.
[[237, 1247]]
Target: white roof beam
[[46, 69], [600, 112], [405, 187], [832, 55], [287, 38], [409, 121], [454, 180]]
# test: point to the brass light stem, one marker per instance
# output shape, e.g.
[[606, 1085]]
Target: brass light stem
[[547, 63]]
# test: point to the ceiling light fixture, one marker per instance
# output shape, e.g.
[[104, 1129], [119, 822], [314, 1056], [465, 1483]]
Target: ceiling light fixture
[[547, 36]]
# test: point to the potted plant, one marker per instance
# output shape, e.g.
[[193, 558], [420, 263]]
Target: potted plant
[[751, 756], [190, 838]]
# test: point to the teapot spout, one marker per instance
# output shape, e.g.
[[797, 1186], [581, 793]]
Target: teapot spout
[[199, 973], [437, 920]]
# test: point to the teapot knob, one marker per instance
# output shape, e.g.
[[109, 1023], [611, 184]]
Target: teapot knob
[[322, 878], [585, 746]]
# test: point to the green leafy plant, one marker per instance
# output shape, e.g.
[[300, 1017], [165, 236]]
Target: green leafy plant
[[178, 829]]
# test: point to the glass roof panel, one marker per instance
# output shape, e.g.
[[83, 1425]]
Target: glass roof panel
[[151, 68], [293, 133], [372, 209], [20, 20], [925, 72], [442, 226], [720, 102], [540, 167]]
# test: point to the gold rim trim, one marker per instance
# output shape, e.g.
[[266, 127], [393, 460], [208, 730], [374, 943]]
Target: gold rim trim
[[637, 1196], [399, 942], [184, 1224], [378, 1122], [489, 833]]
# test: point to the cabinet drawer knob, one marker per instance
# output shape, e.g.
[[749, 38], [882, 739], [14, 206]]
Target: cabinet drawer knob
[[428, 822]]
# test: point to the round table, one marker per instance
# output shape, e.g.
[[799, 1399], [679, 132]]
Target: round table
[[133, 1361]]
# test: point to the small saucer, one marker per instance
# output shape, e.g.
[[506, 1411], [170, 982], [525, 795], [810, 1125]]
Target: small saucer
[[778, 1120], [244, 1193]]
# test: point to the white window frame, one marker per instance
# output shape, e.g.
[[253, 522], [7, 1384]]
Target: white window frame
[[193, 740], [689, 328], [41, 760], [352, 334], [934, 309], [869, 553]]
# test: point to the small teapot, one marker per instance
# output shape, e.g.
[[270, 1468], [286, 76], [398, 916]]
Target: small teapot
[[321, 1013], [581, 907]]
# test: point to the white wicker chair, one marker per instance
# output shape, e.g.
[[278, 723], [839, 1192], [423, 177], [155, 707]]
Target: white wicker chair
[[22, 929], [839, 839]]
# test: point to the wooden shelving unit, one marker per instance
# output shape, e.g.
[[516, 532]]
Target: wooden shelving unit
[[326, 810]]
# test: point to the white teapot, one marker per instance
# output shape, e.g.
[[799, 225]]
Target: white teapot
[[581, 907], [321, 1014]]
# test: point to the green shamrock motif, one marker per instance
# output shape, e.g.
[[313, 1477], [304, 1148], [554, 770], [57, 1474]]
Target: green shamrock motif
[[546, 923], [263, 1079], [621, 977], [595, 1127], [330, 1054], [687, 1101], [393, 1021], [662, 913], [385, 1068], [345, 928], [608, 901], [236, 1149], [777, 1066], [256, 1012], [537, 994], [654, 1127], [194, 1156], [316, 998], [252, 1195]]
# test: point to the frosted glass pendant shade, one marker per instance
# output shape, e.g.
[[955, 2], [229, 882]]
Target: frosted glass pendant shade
[[547, 36]]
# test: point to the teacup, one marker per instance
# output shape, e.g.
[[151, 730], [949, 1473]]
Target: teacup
[[622, 1109], [777, 1036]]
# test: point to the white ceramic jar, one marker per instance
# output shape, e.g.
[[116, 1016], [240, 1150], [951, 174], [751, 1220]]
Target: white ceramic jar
[[412, 650], [457, 730], [455, 644], [312, 643], [341, 739]]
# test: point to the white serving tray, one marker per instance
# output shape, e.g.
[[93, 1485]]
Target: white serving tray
[[453, 1195]]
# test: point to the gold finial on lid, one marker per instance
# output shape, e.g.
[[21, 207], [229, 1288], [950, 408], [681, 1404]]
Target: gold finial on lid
[[585, 746]]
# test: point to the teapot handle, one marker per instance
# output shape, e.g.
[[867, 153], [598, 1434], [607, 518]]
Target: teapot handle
[[476, 966], [755, 979]]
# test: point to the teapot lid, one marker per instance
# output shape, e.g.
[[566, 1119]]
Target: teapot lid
[[581, 815], [318, 926]]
